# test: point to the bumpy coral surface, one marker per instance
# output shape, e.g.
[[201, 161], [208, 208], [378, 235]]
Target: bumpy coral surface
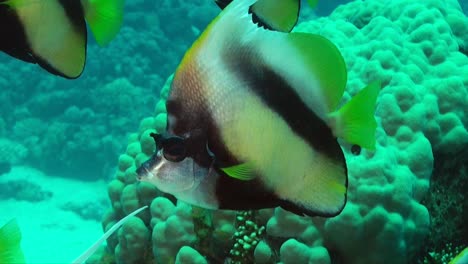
[[418, 49]]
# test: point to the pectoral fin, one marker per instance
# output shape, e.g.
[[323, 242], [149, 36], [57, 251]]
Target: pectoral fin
[[243, 172]]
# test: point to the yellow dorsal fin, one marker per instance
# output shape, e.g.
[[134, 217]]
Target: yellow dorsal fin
[[325, 62]]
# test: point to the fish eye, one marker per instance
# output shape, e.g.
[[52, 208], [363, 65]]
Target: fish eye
[[174, 149]]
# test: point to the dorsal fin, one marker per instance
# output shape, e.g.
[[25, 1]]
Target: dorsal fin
[[324, 60], [277, 15]]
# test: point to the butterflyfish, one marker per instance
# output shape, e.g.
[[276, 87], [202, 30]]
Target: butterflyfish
[[53, 34], [253, 120]]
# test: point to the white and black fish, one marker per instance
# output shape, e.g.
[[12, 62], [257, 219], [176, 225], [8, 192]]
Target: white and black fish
[[253, 120], [52, 33]]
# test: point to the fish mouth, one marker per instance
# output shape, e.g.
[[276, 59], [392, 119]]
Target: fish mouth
[[167, 176], [144, 171]]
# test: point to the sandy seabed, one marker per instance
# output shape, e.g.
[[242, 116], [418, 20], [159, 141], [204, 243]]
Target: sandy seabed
[[51, 233]]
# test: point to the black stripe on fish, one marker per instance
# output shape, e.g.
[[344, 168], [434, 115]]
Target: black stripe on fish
[[223, 3], [196, 124], [279, 96], [74, 11], [15, 42], [191, 119], [234, 194], [13, 37]]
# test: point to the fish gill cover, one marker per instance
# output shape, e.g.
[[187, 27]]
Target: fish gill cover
[[419, 51]]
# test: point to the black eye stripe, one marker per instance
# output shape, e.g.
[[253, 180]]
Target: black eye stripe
[[173, 148], [158, 139]]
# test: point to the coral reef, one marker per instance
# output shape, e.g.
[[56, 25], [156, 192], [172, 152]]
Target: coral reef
[[246, 238], [448, 204], [91, 209], [12, 152], [23, 190], [419, 52], [5, 167]]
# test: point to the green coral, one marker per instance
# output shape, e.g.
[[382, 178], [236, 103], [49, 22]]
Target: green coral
[[134, 238], [447, 203], [246, 238]]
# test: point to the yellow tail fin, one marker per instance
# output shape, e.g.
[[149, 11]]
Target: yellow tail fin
[[10, 239], [104, 18], [355, 121]]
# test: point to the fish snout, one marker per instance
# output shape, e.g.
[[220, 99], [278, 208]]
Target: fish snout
[[144, 171]]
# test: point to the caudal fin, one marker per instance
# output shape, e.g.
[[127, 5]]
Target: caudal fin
[[105, 18], [355, 121], [10, 240]]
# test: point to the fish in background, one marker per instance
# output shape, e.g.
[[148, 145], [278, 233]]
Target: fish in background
[[52, 33], [253, 120]]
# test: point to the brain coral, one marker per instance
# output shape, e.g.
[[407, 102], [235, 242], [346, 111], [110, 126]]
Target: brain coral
[[418, 49]]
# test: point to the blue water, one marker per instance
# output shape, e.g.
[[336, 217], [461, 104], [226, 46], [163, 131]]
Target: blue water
[[75, 130]]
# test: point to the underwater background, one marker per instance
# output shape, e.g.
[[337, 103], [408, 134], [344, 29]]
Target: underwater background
[[69, 148]]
